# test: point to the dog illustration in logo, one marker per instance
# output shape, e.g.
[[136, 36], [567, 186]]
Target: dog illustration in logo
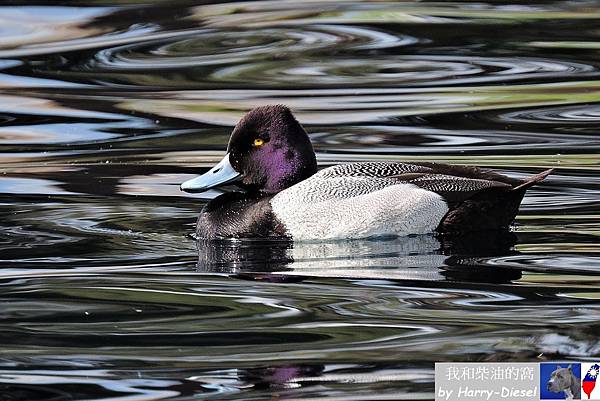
[[563, 379]]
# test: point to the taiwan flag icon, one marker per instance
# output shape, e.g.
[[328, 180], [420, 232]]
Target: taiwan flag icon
[[588, 383]]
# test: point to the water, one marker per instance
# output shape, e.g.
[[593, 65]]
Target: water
[[107, 105]]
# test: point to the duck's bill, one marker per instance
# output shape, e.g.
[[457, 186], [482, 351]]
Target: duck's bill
[[221, 174]]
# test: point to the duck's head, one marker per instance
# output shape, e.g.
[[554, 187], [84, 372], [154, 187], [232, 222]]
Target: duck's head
[[268, 151]]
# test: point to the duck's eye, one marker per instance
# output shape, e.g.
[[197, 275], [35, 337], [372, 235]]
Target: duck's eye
[[258, 142]]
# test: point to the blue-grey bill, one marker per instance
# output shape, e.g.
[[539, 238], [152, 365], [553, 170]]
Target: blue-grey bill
[[221, 174]]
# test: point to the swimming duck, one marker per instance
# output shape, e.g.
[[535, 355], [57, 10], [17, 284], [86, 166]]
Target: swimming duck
[[271, 157]]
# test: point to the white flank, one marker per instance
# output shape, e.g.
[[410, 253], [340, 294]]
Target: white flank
[[356, 207]]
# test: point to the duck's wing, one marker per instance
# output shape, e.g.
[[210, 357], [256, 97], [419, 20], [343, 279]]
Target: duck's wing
[[453, 183], [384, 169], [452, 188], [458, 183]]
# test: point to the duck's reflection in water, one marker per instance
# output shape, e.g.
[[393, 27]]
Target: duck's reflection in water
[[420, 257]]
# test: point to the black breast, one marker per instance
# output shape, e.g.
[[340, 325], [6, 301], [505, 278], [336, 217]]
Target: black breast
[[239, 215]]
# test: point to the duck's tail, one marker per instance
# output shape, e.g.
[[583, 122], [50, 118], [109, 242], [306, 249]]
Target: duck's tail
[[514, 197], [491, 209], [532, 180]]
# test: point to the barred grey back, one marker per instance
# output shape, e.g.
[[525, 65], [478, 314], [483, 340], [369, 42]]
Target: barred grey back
[[371, 169]]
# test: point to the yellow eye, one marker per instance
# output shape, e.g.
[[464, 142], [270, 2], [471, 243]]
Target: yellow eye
[[258, 142]]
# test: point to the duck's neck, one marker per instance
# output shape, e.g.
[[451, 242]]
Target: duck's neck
[[288, 167]]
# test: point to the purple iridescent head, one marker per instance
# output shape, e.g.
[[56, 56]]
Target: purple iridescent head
[[268, 151]]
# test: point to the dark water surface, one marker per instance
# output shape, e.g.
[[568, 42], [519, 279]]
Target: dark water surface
[[106, 106]]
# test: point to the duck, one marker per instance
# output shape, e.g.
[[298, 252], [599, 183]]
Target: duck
[[284, 195]]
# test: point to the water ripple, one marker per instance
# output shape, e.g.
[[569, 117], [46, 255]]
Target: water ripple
[[213, 47], [585, 114]]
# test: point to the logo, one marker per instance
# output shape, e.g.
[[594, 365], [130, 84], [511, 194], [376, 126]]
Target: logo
[[560, 381], [487, 381], [517, 381], [588, 383]]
